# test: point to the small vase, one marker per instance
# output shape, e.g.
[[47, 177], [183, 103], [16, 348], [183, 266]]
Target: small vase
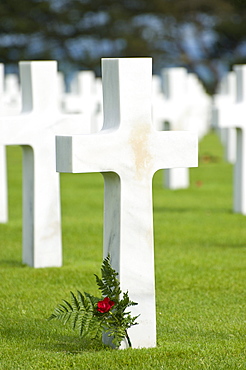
[[108, 341]]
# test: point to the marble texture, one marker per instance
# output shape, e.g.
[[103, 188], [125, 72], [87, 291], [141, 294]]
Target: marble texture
[[128, 151]]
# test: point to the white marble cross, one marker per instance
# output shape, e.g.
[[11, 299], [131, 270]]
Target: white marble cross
[[1, 81], [12, 94], [233, 115], [175, 111], [3, 164], [225, 96], [186, 107], [175, 92], [199, 103], [83, 98], [34, 129], [128, 151]]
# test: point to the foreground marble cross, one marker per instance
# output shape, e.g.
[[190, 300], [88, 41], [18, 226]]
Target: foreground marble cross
[[34, 129], [233, 115], [128, 151]]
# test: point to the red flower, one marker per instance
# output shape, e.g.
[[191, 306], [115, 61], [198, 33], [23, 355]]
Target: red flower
[[105, 305]]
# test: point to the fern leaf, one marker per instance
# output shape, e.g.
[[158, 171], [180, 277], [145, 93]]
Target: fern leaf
[[96, 329], [74, 302], [60, 310], [83, 301], [68, 306], [109, 283], [92, 300], [84, 323], [80, 300], [117, 334], [74, 319], [64, 317]]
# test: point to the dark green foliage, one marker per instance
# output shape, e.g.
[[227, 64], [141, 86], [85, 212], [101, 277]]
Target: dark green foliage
[[109, 285], [79, 33], [82, 312]]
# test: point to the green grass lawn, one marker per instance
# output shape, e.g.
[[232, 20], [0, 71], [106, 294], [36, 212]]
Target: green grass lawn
[[200, 258]]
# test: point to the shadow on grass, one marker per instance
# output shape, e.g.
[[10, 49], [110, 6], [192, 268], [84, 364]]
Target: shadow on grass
[[73, 345], [11, 263], [229, 245], [31, 333], [194, 209]]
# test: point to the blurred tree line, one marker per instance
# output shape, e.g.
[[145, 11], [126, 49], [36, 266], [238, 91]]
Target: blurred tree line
[[207, 37]]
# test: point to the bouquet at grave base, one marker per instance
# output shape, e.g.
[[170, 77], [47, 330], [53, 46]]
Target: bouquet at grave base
[[93, 316]]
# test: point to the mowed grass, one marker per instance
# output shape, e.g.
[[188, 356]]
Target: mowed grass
[[200, 258]]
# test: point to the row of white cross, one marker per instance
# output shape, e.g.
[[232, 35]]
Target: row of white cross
[[127, 151], [174, 87], [178, 103], [177, 87]]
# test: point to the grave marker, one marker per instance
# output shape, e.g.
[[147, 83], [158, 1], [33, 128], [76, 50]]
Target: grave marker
[[83, 98], [226, 95], [3, 166], [175, 110], [233, 115], [12, 94], [128, 151], [34, 129], [199, 107]]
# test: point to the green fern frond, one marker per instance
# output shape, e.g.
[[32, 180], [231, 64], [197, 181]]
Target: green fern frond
[[109, 283], [74, 319], [81, 299], [74, 302], [125, 302], [83, 315], [79, 312], [64, 317], [96, 329], [85, 323], [60, 310], [117, 334], [93, 300]]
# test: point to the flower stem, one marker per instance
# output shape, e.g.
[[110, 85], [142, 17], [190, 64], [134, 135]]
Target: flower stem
[[128, 339]]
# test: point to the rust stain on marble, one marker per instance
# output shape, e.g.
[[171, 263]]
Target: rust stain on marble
[[139, 142]]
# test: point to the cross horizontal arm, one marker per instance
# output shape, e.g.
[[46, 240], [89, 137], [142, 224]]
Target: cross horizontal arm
[[15, 130], [137, 153], [175, 149], [84, 153], [230, 116]]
